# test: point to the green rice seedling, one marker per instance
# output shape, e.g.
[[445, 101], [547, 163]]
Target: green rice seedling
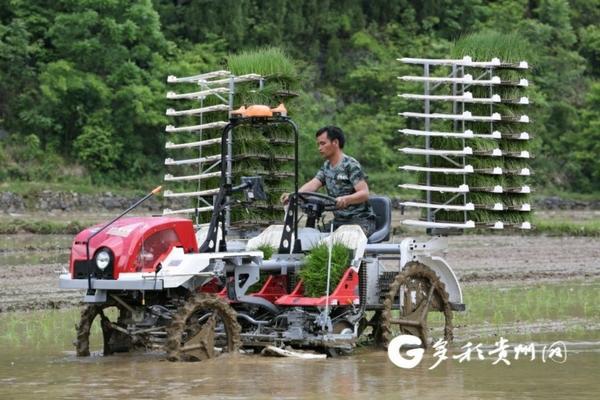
[[314, 271], [478, 144], [482, 47], [256, 145], [511, 163], [253, 96], [243, 164], [446, 144], [514, 145], [248, 217], [204, 118], [511, 109], [440, 125], [525, 304], [559, 227], [185, 137], [476, 180], [18, 225], [485, 198], [280, 156], [253, 148], [484, 128], [484, 163], [42, 329], [270, 62], [245, 133], [511, 181], [268, 252], [485, 45]]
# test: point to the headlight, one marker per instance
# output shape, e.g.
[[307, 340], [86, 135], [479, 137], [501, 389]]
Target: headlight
[[102, 259]]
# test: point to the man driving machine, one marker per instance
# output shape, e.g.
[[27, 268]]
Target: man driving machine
[[344, 180]]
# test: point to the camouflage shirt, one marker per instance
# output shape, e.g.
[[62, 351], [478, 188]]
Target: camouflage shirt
[[340, 181]]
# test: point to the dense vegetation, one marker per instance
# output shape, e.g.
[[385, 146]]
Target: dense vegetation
[[82, 82]]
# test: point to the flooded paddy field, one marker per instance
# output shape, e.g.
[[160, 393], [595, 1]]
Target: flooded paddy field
[[39, 362], [526, 289]]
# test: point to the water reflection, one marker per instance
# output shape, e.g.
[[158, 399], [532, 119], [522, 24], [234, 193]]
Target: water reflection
[[31, 249], [368, 373]]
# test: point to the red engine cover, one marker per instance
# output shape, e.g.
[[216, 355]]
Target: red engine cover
[[137, 243]]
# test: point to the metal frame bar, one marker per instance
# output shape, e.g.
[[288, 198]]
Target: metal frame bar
[[427, 107], [458, 89], [209, 86]]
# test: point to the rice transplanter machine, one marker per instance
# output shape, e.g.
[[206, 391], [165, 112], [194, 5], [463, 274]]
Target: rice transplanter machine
[[158, 283]]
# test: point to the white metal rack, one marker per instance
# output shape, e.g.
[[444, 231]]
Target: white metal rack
[[464, 188], [460, 79], [467, 169], [432, 152], [467, 116], [466, 61], [466, 97], [466, 207], [467, 134], [213, 87], [466, 80]]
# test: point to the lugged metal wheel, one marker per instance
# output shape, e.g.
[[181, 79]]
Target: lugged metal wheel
[[415, 292], [203, 328], [114, 340]]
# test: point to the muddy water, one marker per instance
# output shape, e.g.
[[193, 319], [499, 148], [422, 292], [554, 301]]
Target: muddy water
[[37, 361], [30, 249], [58, 374]]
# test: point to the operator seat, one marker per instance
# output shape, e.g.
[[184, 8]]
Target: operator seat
[[382, 207]]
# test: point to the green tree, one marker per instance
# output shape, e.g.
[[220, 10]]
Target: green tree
[[583, 167], [589, 46], [97, 69], [107, 61], [17, 67], [97, 147]]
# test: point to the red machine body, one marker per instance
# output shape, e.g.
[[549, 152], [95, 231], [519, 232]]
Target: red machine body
[[345, 294], [137, 244]]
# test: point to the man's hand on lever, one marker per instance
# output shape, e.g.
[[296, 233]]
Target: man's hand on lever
[[342, 202]]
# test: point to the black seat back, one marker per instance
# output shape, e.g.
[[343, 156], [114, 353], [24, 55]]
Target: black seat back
[[382, 206]]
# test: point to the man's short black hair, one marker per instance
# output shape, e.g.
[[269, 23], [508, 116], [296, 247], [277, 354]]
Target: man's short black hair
[[333, 132]]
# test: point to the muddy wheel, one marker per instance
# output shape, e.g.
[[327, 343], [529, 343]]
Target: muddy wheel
[[415, 292], [203, 328], [111, 317]]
